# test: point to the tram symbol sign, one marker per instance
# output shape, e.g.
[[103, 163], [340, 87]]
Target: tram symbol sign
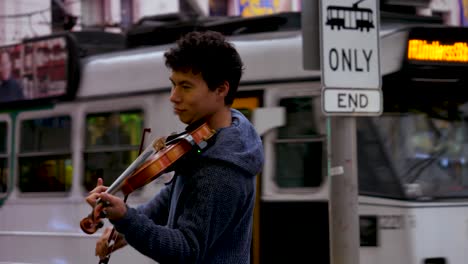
[[350, 56]]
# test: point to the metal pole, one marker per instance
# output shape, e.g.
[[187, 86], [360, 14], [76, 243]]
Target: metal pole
[[343, 205]]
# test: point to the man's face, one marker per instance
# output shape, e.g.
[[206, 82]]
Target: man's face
[[191, 98], [5, 67]]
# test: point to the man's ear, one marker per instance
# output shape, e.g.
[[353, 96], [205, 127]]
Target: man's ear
[[223, 89]]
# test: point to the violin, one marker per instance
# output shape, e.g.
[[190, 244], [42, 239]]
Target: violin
[[150, 164]]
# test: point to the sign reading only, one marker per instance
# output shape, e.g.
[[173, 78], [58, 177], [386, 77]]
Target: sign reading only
[[350, 44]]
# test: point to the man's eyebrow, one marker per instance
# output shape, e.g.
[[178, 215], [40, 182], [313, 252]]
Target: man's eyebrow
[[181, 82]]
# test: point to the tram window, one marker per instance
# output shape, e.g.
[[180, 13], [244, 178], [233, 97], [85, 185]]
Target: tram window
[[112, 143], [299, 147], [3, 174], [413, 155], [3, 158], [45, 163], [435, 157], [3, 137], [377, 147]]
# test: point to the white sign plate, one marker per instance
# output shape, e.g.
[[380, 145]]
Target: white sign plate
[[351, 101], [350, 44]]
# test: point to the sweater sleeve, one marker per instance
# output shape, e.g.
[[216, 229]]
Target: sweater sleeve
[[215, 194], [157, 209]]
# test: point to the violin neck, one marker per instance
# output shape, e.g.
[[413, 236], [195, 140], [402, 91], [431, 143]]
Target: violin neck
[[117, 184]]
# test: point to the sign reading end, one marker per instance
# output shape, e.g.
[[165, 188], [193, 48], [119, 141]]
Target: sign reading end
[[352, 101]]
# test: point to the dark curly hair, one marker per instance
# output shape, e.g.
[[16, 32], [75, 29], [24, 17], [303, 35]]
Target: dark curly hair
[[211, 55]]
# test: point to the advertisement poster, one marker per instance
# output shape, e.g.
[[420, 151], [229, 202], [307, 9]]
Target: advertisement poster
[[33, 70], [250, 8], [463, 13]]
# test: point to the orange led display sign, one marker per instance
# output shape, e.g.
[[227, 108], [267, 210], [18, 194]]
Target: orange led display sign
[[435, 51]]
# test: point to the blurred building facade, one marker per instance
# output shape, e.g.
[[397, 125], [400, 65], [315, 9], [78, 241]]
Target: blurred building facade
[[21, 19]]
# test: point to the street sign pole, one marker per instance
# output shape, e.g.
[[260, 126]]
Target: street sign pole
[[343, 203], [351, 83]]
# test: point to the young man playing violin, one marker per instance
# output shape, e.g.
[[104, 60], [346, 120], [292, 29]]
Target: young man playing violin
[[205, 214]]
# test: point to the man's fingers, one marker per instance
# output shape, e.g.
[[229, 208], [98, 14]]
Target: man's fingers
[[107, 233], [97, 212], [106, 199], [102, 246], [99, 189], [92, 199], [112, 205], [99, 186], [101, 249], [160, 143], [120, 242]]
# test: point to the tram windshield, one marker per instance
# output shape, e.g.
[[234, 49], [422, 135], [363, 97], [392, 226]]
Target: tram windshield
[[414, 154]]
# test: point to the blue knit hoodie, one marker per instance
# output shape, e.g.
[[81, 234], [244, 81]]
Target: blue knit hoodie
[[205, 214]]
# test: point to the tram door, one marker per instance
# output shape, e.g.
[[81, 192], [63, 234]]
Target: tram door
[[291, 213], [247, 103]]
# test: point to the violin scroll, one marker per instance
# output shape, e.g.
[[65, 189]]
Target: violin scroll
[[89, 226]]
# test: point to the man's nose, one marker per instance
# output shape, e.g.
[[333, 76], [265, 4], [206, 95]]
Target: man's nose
[[175, 95]]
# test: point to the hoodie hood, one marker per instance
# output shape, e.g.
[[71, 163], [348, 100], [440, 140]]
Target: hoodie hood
[[238, 144]]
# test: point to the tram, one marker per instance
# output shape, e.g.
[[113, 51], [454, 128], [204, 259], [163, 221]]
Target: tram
[[412, 160]]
